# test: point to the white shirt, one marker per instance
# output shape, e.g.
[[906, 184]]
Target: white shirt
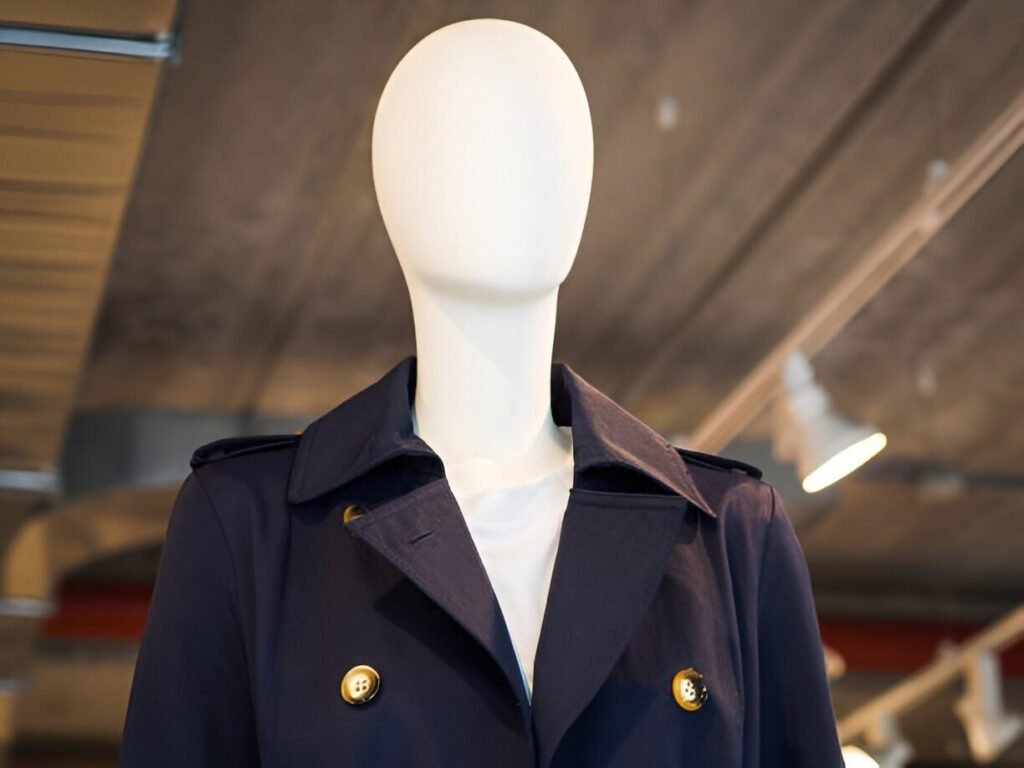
[[516, 530]]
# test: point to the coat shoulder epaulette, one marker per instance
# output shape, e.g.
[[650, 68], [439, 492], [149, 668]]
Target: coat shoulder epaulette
[[718, 462], [237, 446]]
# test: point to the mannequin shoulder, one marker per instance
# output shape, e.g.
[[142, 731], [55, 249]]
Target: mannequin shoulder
[[229, 447], [745, 502], [241, 482], [719, 463]]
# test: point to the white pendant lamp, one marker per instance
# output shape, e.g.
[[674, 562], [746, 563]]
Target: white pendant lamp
[[824, 443]]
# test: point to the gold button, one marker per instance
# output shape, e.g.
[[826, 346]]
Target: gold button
[[689, 690], [352, 511], [360, 684]]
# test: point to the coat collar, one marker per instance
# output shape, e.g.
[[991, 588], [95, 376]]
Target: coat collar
[[375, 425]]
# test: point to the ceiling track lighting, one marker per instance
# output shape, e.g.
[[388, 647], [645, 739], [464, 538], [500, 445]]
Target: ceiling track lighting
[[884, 747], [825, 444], [990, 729]]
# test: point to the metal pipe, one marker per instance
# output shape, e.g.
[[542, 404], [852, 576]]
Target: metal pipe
[[160, 46]]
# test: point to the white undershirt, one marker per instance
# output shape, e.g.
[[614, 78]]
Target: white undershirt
[[516, 530]]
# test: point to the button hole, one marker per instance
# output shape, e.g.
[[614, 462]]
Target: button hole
[[419, 537]]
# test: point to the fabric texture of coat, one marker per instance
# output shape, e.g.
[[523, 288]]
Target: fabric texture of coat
[[267, 594]]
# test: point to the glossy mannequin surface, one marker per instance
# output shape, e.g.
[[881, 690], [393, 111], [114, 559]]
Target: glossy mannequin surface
[[482, 154]]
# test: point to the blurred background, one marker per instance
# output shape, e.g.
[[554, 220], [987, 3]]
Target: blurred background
[[806, 231]]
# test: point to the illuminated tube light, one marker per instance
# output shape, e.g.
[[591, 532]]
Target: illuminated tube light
[[824, 443]]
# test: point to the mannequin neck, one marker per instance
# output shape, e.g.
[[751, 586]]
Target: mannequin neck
[[483, 385]]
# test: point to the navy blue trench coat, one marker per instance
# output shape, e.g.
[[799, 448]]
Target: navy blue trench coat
[[268, 593]]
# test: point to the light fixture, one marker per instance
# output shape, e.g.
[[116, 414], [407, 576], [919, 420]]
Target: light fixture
[[835, 664], [883, 747], [824, 443], [854, 757], [989, 727]]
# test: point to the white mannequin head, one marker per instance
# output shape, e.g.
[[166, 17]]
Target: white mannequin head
[[482, 155]]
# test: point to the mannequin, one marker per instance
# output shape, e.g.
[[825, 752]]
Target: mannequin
[[333, 598], [482, 154]]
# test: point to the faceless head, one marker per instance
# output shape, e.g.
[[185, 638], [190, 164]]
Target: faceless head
[[483, 158]]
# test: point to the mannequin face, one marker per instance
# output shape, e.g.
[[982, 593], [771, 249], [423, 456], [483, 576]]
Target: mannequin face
[[482, 156]]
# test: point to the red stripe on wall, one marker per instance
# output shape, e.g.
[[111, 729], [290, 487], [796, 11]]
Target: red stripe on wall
[[904, 646], [100, 612]]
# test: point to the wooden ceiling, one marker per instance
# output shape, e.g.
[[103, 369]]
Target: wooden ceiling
[[139, 18], [253, 271], [71, 128]]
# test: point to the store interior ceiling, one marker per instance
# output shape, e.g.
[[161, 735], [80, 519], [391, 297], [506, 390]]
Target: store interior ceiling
[[196, 240]]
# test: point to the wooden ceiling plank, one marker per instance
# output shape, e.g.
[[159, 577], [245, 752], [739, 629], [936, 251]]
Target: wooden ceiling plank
[[54, 248], [88, 207], [30, 76], [64, 161], [102, 125], [137, 17]]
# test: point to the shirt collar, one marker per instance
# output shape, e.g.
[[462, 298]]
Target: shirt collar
[[375, 425]]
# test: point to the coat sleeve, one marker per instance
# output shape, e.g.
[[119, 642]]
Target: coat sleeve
[[190, 701], [797, 727]]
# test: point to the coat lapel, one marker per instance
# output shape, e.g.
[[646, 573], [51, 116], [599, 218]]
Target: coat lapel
[[612, 555], [424, 535], [631, 502]]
